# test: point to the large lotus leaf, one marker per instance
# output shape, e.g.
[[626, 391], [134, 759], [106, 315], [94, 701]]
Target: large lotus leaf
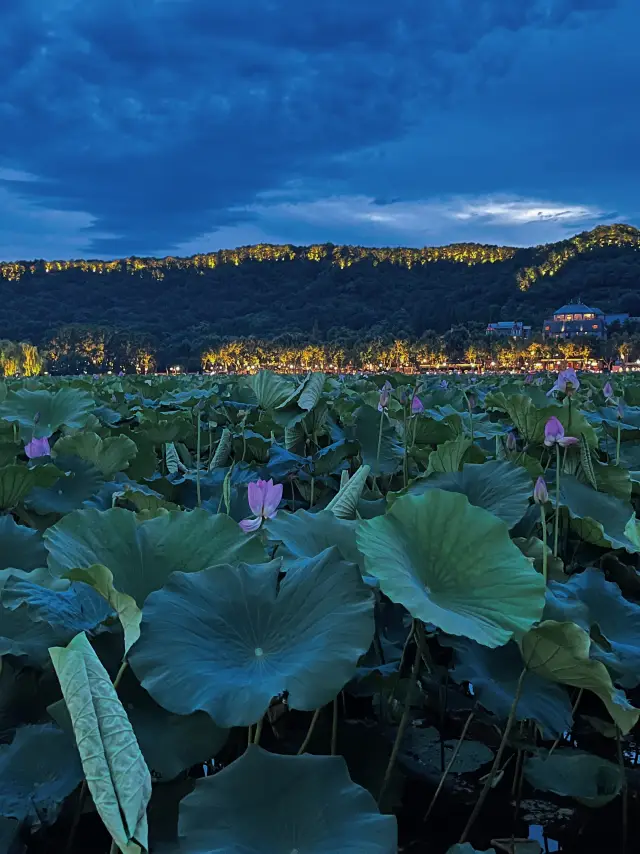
[[560, 652], [267, 803], [367, 432], [588, 779], [452, 564], [494, 674], [612, 479], [270, 389], [115, 770], [433, 430], [616, 617], [78, 482], [142, 555], [107, 455], [598, 518], [307, 534], [629, 424], [421, 751], [255, 638], [38, 770], [328, 459], [528, 419], [16, 481], [20, 547], [497, 486], [41, 413], [450, 456]]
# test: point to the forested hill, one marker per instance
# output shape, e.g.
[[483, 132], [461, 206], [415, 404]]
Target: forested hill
[[324, 290]]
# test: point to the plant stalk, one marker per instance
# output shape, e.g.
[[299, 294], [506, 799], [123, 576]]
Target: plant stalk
[[402, 726], [545, 550], [556, 529], [449, 764], [625, 793], [256, 737], [334, 728], [496, 762], [618, 445], [198, 452], [312, 726]]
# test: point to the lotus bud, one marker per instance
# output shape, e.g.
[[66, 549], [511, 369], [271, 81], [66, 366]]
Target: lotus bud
[[416, 405], [471, 399], [384, 400], [444, 384], [511, 441], [608, 390], [529, 378], [540, 492]]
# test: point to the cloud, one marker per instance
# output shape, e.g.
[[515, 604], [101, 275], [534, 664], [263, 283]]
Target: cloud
[[166, 121]]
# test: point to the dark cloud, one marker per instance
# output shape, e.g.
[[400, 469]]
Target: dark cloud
[[151, 122]]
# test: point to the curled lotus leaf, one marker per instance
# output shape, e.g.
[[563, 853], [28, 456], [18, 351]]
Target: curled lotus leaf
[[453, 565], [590, 780], [256, 637], [283, 803]]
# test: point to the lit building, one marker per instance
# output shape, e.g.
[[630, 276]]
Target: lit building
[[509, 329], [577, 320]]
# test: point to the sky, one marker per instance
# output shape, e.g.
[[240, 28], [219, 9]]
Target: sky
[[155, 127]]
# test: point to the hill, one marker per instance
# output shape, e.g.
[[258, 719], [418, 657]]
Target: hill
[[178, 306]]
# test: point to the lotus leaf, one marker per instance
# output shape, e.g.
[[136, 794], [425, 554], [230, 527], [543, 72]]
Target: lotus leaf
[[142, 555], [599, 518], [296, 803], [588, 779], [115, 770], [497, 486], [453, 565], [20, 547], [307, 534], [559, 651], [78, 482], [16, 481], [41, 413], [256, 638], [38, 770], [107, 455]]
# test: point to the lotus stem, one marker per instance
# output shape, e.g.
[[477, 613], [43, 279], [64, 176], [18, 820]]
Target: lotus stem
[[405, 461], [545, 555], [618, 445], [496, 762], [402, 726], [334, 728], [312, 726], [114, 847], [573, 712], [625, 792], [198, 452], [313, 489], [120, 674], [249, 735], [449, 765], [470, 418], [76, 817], [379, 441], [556, 529], [256, 737]]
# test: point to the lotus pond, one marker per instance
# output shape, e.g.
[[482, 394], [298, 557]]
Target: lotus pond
[[279, 615]]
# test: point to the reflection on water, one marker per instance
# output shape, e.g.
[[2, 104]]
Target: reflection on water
[[536, 832]]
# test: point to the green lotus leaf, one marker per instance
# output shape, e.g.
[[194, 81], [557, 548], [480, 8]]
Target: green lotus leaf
[[78, 481], [295, 803], [494, 674], [599, 518], [141, 555], [107, 455], [307, 534], [256, 637], [327, 459], [534, 549], [616, 618], [312, 391], [367, 432], [452, 564], [629, 424], [115, 770], [41, 413], [450, 456], [588, 779], [143, 498], [17, 481], [38, 770], [497, 486], [271, 390], [527, 418], [612, 479], [344, 503], [421, 752], [559, 652], [431, 430], [20, 547]]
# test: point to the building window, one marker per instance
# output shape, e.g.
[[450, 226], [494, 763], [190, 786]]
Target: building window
[[559, 317], [568, 317], [577, 317], [595, 325], [589, 316]]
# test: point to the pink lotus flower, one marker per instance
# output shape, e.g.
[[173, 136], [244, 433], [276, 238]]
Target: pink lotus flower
[[608, 391], [528, 379], [384, 400], [540, 492], [567, 382], [37, 448], [264, 499], [554, 434], [416, 405]]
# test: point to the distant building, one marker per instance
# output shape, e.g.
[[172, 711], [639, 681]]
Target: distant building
[[509, 329], [577, 320]]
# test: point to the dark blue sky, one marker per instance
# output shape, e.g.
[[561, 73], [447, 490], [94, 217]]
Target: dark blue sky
[[176, 126]]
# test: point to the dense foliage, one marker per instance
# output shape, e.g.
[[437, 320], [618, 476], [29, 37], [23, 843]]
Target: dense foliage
[[225, 602], [323, 294]]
